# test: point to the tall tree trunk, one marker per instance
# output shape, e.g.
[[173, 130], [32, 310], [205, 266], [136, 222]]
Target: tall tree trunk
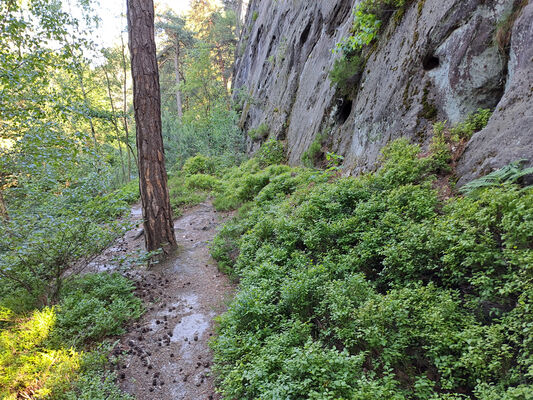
[[3, 209], [86, 103], [157, 213], [177, 71], [115, 123], [238, 15], [131, 153]]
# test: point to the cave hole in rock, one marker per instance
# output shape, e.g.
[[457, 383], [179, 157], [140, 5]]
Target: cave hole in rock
[[344, 110], [430, 62], [305, 33]]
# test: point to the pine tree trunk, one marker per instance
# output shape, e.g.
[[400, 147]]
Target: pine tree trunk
[[157, 214]]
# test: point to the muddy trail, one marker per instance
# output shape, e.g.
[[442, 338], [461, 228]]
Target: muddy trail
[[165, 355]]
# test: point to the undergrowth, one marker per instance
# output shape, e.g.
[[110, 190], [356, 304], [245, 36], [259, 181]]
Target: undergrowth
[[374, 287], [43, 353], [52, 322], [229, 187]]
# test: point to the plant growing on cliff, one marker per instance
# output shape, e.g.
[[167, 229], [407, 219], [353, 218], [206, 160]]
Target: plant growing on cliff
[[370, 16], [310, 157], [473, 123], [259, 133], [346, 72]]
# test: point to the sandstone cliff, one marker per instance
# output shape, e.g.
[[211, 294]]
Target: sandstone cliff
[[438, 61]]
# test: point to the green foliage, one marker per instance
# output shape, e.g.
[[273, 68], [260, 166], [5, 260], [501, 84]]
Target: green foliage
[[272, 152], [367, 24], [334, 161], [371, 287], [27, 364], [203, 182], [259, 133], [36, 263], [474, 123], [41, 355], [345, 72], [310, 157], [204, 53], [369, 19], [198, 164], [255, 15], [93, 381], [509, 174], [43, 240], [244, 183], [182, 194], [95, 306]]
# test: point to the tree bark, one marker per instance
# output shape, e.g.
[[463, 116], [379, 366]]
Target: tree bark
[[3, 209], [157, 213], [125, 109], [115, 123], [177, 72]]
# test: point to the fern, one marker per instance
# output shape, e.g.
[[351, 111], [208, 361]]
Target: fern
[[509, 174]]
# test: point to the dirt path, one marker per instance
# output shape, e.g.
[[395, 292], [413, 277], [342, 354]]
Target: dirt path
[[166, 352]]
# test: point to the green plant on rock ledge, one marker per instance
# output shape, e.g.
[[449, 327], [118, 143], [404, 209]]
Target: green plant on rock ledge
[[346, 72], [311, 155], [259, 133], [473, 123], [370, 16]]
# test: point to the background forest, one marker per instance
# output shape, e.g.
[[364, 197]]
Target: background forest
[[68, 170]]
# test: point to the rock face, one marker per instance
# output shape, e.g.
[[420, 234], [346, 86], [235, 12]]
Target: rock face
[[439, 61]]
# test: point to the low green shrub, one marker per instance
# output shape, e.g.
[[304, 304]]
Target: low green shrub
[[203, 182], [373, 287], [272, 152], [34, 258], [473, 123], [94, 381], [198, 164], [310, 157], [41, 354], [182, 194], [113, 205], [95, 306]]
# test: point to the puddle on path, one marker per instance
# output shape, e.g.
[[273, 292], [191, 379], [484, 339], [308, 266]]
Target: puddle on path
[[191, 328]]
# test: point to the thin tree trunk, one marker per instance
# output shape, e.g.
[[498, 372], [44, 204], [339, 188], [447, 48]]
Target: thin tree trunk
[[3, 209], [115, 123], [177, 71], [86, 103], [131, 153], [157, 213], [238, 15]]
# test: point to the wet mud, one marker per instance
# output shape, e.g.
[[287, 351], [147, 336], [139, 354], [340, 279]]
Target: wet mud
[[166, 355]]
